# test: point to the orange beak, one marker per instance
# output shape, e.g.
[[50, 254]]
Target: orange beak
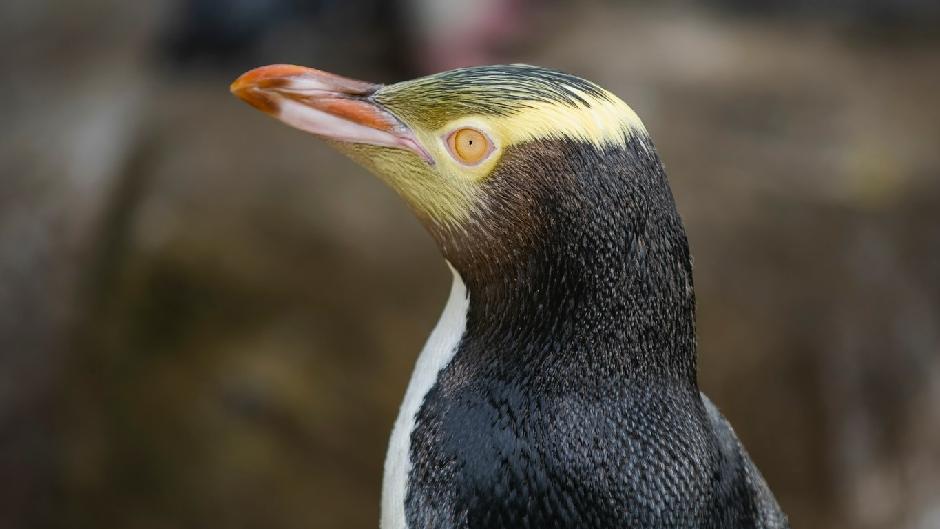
[[326, 105]]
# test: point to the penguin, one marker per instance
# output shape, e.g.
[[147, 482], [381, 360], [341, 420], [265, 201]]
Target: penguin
[[558, 389]]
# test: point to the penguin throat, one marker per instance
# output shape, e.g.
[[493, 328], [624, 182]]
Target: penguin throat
[[599, 277]]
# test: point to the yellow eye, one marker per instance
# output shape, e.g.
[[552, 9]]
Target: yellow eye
[[469, 146]]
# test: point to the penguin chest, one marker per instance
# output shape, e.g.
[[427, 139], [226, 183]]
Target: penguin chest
[[500, 458]]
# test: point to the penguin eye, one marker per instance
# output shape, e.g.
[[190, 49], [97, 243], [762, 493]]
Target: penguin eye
[[469, 146]]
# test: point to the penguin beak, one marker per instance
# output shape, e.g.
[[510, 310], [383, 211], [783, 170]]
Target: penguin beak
[[325, 105]]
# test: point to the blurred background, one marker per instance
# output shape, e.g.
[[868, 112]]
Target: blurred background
[[208, 319]]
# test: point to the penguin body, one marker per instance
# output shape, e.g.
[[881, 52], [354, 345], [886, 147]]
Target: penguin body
[[559, 388], [564, 406]]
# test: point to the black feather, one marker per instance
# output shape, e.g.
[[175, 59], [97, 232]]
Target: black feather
[[572, 400]]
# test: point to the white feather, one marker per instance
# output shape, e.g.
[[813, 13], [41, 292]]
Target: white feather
[[437, 353]]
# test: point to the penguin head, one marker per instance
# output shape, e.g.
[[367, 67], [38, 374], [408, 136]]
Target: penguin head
[[542, 189], [475, 152]]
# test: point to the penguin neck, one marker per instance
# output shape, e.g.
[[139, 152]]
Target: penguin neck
[[602, 283]]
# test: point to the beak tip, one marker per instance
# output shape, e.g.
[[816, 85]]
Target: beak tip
[[240, 86], [251, 86]]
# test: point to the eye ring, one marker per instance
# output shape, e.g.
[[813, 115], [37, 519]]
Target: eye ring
[[469, 146]]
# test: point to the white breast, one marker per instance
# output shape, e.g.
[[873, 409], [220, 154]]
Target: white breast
[[437, 353]]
